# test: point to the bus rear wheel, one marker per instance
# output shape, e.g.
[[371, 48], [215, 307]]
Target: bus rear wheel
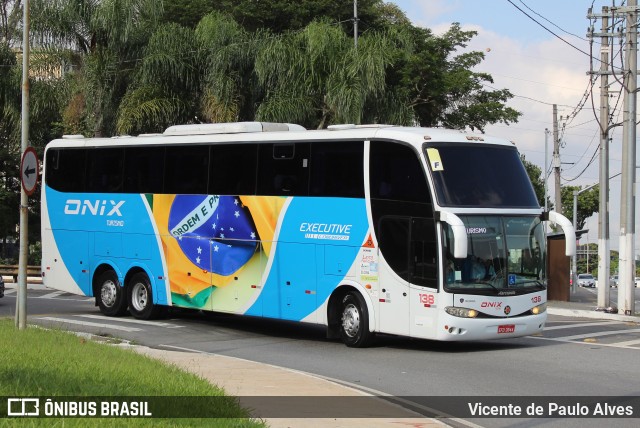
[[354, 322], [140, 298], [110, 296]]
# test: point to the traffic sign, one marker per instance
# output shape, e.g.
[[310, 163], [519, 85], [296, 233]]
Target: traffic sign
[[29, 168]]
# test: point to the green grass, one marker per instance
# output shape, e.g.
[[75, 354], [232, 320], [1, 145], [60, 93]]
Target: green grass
[[50, 363]]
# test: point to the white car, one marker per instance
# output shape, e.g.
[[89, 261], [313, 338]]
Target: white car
[[586, 280], [637, 281]]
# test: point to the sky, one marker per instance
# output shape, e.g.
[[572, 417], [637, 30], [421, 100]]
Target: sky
[[541, 69]]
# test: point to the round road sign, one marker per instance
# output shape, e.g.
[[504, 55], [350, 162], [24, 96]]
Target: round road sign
[[29, 168]]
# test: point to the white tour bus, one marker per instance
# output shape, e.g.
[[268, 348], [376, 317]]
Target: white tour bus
[[427, 233]]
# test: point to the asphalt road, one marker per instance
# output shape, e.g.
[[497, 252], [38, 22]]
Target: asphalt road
[[574, 357]]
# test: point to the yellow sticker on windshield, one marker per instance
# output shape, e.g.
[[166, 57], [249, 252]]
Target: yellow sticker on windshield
[[434, 160]]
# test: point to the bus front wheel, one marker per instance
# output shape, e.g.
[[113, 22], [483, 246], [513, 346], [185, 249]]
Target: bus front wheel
[[110, 296], [140, 298], [354, 322]]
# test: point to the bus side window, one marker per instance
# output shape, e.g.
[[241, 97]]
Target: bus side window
[[105, 169], [65, 169], [143, 169], [337, 169], [396, 173], [283, 169], [186, 170], [232, 170]]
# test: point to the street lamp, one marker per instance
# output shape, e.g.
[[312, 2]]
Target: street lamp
[[575, 221]]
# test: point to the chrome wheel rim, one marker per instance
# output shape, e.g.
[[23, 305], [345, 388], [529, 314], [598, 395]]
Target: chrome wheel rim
[[139, 297], [109, 293], [351, 320]]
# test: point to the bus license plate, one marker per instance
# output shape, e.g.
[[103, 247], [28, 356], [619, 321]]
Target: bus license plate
[[509, 328]]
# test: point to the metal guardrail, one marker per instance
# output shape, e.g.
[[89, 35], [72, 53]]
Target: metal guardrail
[[12, 272]]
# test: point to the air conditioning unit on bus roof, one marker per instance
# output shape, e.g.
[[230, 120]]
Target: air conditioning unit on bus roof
[[231, 128]]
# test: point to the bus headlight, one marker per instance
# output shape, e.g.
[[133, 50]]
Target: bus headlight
[[539, 309], [461, 312]]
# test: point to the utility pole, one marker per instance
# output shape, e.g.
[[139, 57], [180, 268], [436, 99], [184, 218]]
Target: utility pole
[[604, 250], [626, 298], [21, 302], [355, 23], [556, 161], [626, 269]]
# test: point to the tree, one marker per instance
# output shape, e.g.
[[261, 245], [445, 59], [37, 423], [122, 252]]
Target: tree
[[537, 180], [280, 16], [317, 77], [10, 21], [588, 201], [442, 88], [187, 76], [166, 82], [9, 145], [46, 96], [588, 204], [108, 35]]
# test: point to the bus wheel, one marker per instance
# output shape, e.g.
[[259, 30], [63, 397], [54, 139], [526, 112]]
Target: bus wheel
[[110, 295], [141, 298], [354, 323]]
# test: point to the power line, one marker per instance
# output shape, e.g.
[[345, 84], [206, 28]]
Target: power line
[[550, 31], [553, 23]]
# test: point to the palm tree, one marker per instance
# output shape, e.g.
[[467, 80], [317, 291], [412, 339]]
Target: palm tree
[[318, 77], [104, 39]]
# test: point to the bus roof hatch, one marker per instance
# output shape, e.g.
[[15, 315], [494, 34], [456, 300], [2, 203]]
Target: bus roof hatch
[[231, 128]]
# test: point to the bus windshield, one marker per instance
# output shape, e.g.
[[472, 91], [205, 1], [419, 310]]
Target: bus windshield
[[505, 256], [483, 175]]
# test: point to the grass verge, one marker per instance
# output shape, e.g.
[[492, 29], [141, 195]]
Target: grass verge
[[50, 363]]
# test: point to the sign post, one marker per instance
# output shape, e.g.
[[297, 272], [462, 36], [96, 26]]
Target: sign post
[[28, 176]]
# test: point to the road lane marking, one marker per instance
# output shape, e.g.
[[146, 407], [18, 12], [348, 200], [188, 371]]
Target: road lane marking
[[585, 324], [8, 291], [598, 344], [91, 324], [598, 334], [132, 321], [51, 295], [629, 343]]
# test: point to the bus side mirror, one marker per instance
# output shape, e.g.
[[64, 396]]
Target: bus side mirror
[[567, 228], [459, 233]]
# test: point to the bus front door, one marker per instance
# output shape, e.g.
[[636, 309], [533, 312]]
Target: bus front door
[[423, 277], [394, 234]]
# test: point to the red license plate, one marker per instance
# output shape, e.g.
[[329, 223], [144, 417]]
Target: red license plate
[[509, 328]]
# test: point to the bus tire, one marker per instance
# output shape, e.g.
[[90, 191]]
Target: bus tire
[[140, 297], [354, 321], [110, 296]]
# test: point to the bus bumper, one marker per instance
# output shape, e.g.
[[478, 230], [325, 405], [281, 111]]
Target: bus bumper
[[452, 328]]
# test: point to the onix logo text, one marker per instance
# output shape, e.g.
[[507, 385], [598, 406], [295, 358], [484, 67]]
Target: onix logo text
[[98, 207], [491, 305]]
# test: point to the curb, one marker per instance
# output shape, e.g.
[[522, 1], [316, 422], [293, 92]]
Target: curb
[[581, 313]]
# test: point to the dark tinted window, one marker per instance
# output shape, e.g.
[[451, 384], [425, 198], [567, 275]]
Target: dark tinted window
[[143, 169], [104, 169], [186, 169], [284, 169], [232, 169], [337, 169], [393, 236], [65, 169], [396, 173], [472, 175], [424, 253]]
